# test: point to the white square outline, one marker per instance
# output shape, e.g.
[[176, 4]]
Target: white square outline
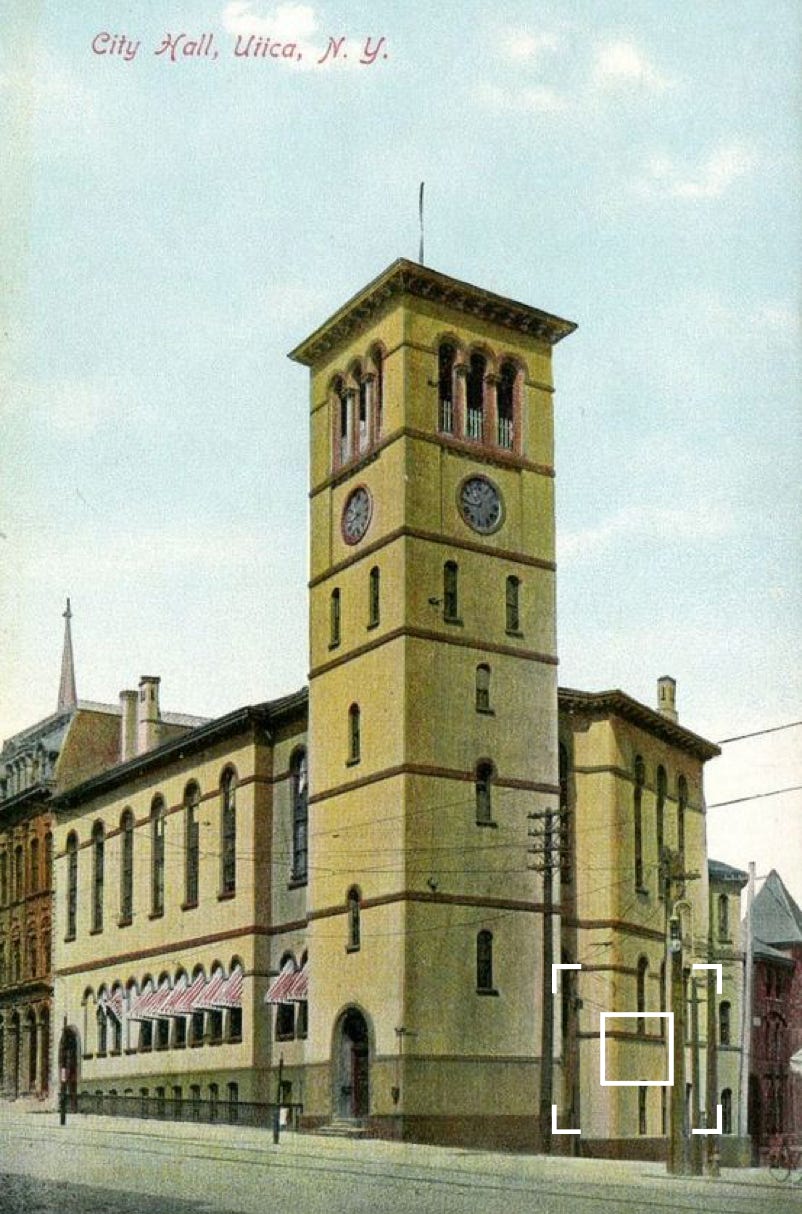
[[637, 1083]]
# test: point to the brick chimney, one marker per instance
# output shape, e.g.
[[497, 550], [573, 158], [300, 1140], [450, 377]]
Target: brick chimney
[[148, 714], [667, 697], [128, 724]]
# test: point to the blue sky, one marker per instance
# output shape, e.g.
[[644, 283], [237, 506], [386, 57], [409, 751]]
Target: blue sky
[[178, 226]]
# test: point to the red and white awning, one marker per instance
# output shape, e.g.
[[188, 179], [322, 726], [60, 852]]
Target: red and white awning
[[150, 1004], [290, 986], [207, 1000]]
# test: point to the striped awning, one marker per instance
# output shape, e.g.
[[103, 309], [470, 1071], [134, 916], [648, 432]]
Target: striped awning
[[290, 986], [150, 1004], [207, 999]]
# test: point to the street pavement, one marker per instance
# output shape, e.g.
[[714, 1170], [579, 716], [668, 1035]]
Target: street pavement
[[102, 1165]]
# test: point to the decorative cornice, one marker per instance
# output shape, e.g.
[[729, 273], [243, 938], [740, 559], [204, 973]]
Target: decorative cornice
[[408, 278], [618, 703]]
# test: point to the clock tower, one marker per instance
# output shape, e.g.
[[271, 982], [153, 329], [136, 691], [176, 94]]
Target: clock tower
[[432, 706]]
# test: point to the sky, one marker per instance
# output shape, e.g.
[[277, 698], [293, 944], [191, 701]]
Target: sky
[[179, 221]]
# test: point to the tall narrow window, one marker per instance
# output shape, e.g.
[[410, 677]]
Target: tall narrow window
[[643, 969], [300, 815], [228, 871], [374, 586], [334, 618], [565, 831], [482, 791], [48, 861], [660, 813], [484, 961], [102, 1030], [445, 388], [72, 884], [98, 864], [343, 427], [126, 867], [483, 688], [723, 917], [506, 406], [512, 605], [377, 358], [682, 803], [354, 734], [726, 1111], [157, 856], [724, 1035], [191, 844], [642, 1110], [476, 396], [354, 900], [450, 591], [3, 878], [637, 808], [19, 873], [33, 858]]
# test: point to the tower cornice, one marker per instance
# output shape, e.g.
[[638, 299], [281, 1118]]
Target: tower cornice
[[408, 278]]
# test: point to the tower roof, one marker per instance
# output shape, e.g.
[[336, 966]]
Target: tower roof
[[409, 278], [776, 918], [67, 695]]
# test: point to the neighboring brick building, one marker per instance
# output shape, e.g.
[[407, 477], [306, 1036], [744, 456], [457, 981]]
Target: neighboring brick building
[[775, 1091]]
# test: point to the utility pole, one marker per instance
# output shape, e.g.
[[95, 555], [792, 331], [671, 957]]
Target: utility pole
[[746, 1017], [675, 1161], [547, 854], [696, 1139], [711, 1098]]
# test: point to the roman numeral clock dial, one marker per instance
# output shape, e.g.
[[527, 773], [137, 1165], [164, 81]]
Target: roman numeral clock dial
[[356, 515], [481, 505]]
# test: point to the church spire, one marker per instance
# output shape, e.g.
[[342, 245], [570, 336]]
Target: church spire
[[67, 696]]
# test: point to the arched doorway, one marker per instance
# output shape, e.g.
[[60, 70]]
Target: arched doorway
[[33, 1049], [16, 1051], [68, 1064], [351, 1070]]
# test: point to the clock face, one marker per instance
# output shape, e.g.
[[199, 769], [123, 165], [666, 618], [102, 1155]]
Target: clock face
[[356, 515], [480, 504]]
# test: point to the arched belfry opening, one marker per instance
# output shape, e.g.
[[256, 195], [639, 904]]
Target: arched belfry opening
[[351, 1065]]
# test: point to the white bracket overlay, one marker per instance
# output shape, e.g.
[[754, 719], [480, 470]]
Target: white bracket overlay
[[573, 965], [718, 967], [718, 1127], [554, 1129]]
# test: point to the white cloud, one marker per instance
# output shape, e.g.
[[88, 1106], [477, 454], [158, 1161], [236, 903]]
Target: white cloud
[[73, 409], [522, 45], [284, 23], [622, 64], [712, 178], [537, 99], [650, 522]]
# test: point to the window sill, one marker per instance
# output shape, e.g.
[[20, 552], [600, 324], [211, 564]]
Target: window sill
[[352, 948], [101, 1053], [642, 891], [95, 931], [179, 1045], [114, 1053], [492, 825], [195, 1045], [125, 920], [297, 882], [215, 1041], [185, 906], [352, 762], [487, 712], [159, 1049], [87, 1057], [156, 914], [285, 1036], [129, 1049], [234, 1040], [513, 632], [482, 991], [69, 939], [226, 895], [334, 645], [145, 1049], [453, 619], [373, 624]]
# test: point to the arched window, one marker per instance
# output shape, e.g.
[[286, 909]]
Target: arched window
[[483, 688], [642, 1110], [446, 357], [482, 792], [643, 969], [506, 406], [33, 957], [16, 960], [476, 396], [98, 864], [484, 961], [354, 734], [565, 832], [72, 884], [374, 593], [191, 844], [512, 605], [363, 432], [726, 1111], [724, 1032], [126, 867], [285, 1012], [157, 857], [354, 900], [637, 808], [334, 618], [723, 917], [102, 1030], [343, 421], [660, 813], [33, 859], [300, 815], [451, 591], [228, 867], [682, 804]]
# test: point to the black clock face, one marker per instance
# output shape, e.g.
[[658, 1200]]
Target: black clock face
[[356, 515], [480, 504]]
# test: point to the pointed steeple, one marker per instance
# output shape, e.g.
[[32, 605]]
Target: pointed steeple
[[67, 696]]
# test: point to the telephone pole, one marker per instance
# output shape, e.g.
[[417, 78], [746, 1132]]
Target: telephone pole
[[547, 852]]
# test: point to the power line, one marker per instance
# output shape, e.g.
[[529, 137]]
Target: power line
[[758, 733], [776, 792]]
